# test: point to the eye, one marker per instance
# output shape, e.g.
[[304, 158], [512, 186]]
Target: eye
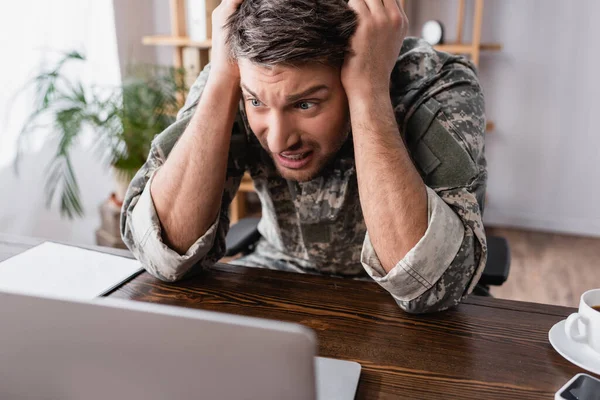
[[255, 103], [305, 105]]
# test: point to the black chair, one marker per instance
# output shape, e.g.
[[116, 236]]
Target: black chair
[[242, 238]]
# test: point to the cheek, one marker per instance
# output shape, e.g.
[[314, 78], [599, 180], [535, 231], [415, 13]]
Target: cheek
[[328, 129]]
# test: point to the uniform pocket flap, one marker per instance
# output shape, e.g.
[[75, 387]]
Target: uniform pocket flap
[[436, 151]]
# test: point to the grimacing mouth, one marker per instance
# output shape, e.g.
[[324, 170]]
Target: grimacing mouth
[[297, 156]]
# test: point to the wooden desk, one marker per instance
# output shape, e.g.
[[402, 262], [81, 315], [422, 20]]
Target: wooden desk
[[483, 349]]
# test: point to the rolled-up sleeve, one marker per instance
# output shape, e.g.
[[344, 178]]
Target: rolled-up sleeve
[[158, 258], [424, 264], [445, 265]]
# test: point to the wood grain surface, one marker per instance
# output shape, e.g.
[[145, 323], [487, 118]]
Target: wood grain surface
[[483, 349]]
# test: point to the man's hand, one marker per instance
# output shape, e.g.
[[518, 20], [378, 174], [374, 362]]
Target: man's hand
[[375, 46], [221, 61]]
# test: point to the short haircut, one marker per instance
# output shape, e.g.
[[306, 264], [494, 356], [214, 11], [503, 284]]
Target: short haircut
[[291, 32]]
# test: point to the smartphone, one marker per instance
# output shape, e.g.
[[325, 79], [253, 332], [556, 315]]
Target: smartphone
[[580, 387]]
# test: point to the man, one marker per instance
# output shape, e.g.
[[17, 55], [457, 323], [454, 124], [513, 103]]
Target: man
[[366, 151]]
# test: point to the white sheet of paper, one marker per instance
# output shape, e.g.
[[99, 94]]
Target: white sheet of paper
[[56, 270]]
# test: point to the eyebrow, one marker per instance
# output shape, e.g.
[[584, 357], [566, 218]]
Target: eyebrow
[[294, 97]]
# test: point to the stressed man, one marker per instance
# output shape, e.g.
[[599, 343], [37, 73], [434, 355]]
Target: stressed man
[[365, 148]]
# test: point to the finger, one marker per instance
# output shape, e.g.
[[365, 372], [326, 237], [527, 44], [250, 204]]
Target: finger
[[359, 6], [376, 7], [394, 11], [392, 6]]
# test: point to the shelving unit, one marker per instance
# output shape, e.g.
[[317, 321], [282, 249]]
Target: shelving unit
[[473, 47], [180, 41]]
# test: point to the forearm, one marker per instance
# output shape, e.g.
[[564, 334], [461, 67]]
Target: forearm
[[187, 189], [392, 195]]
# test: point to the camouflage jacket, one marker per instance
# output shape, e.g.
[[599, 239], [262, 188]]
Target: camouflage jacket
[[318, 226]]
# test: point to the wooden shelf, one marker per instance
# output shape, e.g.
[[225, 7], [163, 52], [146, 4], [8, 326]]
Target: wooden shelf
[[466, 48], [177, 41]]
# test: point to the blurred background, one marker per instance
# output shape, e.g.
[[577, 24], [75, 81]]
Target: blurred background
[[87, 83]]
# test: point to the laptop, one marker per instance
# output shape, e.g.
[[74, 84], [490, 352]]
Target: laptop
[[108, 348]]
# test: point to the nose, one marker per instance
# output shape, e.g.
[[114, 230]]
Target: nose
[[281, 133]]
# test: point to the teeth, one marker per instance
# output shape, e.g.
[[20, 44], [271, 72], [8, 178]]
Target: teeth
[[295, 156]]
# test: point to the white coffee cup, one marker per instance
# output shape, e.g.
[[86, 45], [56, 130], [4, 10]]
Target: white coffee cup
[[584, 326]]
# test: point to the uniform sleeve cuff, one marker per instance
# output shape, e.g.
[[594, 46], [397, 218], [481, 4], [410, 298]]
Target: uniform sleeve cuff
[[160, 259], [427, 261]]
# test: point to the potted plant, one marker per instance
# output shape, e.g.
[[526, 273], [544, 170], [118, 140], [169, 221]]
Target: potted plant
[[124, 120]]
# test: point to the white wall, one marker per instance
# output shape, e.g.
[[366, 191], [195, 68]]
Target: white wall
[[31, 31], [162, 25], [542, 93], [135, 19]]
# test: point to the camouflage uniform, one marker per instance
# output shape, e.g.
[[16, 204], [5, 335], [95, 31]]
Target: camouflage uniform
[[318, 226]]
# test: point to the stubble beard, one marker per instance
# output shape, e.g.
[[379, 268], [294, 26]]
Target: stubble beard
[[320, 161]]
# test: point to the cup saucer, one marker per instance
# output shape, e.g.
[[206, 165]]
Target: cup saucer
[[579, 354]]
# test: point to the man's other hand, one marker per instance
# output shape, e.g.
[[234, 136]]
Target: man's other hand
[[222, 62], [375, 46]]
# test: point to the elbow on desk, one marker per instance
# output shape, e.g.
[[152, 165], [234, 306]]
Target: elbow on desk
[[444, 294], [156, 258], [161, 261], [419, 306], [173, 272], [166, 272], [143, 237], [165, 276]]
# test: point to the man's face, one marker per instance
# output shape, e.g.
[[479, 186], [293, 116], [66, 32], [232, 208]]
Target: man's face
[[299, 115]]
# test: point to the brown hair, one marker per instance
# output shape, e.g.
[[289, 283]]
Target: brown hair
[[291, 32]]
